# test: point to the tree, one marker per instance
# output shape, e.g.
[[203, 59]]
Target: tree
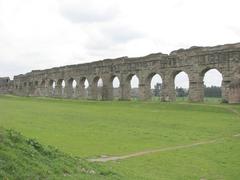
[[181, 92], [212, 91], [157, 89]]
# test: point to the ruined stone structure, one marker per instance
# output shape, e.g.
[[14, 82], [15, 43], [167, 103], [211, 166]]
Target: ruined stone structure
[[194, 61], [234, 92], [5, 85]]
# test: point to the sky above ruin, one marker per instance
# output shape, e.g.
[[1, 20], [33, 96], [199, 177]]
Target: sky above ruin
[[49, 33]]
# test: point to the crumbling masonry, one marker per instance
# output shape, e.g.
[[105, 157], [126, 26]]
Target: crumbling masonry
[[194, 61]]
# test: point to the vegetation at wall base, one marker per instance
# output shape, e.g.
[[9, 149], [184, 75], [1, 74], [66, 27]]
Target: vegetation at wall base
[[22, 158]]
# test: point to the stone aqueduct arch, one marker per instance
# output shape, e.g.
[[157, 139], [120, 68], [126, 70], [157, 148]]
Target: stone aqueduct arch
[[194, 61]]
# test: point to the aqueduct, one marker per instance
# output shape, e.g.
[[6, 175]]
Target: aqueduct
[[195, 61]]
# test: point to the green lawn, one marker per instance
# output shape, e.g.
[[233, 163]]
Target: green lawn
[[91, 129]]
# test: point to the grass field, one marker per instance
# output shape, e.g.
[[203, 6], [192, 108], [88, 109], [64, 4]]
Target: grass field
[[25, 158], [90, 129]]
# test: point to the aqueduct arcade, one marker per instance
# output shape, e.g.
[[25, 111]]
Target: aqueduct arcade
[[95, 80]]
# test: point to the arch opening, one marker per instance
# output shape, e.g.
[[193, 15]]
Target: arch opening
[[212, 80], [59, 82], [84, 85], [116, 87], [134, 85], [74, 84], [155, 86], [181, 84], [60, 86], [54, 85], [71, 88], [100, 82], [63, 84], [116, 82], [97, 91]]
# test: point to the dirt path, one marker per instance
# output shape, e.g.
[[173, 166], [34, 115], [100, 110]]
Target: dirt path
[[228, 107], [142, 153], [233, 111]]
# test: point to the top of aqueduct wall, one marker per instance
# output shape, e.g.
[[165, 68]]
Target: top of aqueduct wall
[[176, 54]]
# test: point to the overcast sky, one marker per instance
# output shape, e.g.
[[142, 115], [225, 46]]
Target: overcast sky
[[39, 34]]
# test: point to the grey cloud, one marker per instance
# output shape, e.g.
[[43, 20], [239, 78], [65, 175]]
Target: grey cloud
[[122, 34], [114, 35], [235, 29], [21, 63], [10, 69], [78, 13], [101, 48]]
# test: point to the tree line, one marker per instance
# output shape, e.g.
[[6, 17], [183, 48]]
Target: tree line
[[212, 91]]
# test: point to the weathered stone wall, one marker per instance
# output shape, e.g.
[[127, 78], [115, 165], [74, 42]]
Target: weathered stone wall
[[234, 87], [194, 61], [234, 92], [5, 85]]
